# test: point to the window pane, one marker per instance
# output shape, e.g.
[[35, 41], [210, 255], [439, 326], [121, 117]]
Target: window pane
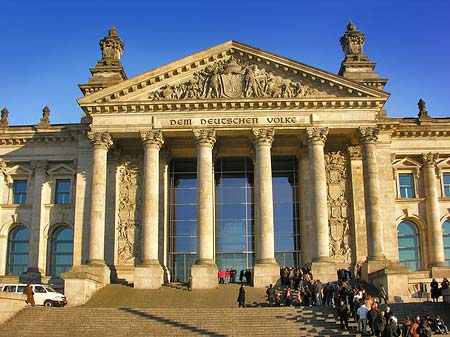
[[62, 191], [406, 182], [62, 250], [408, 245], [18, 246], [19, 191], [446, 178]]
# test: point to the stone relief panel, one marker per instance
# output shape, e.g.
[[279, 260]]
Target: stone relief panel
[[233, 78], [130, 174], [336, 171]]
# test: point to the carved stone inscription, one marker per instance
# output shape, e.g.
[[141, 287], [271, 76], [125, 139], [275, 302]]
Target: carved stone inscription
[[336, 170], [130, 170], [233, 78]]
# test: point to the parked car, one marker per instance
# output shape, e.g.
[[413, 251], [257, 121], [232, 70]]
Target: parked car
[[43, 294]]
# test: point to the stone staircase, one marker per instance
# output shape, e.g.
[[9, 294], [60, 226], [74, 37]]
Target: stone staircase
[[170, 311]]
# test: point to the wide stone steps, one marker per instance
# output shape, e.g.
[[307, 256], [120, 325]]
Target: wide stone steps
[[83, 321]]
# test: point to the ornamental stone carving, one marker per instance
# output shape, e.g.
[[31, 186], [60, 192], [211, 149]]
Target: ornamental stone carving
[[316, 135], [205, 136], [4, 118], [430, 158], [368, 134], [39, 166], [111, 46], [101, 140], [153, 137], [336, 172], [354, 152], [352, 44], [128, 228], [263, 136], [233, 78]]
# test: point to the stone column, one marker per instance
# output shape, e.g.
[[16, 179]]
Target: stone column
[[149, 275], [266, 269], [368, 137], [305, 204], [437, 257], [101, 143], [316, 138], [33, 274], [204, 272]]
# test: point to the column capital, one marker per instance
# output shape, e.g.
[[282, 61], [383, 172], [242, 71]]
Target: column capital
[[205, 136], [152, 137], [429, 159], [368, 134], [354, 151], [316, 135], [39, 166], [263, 136], [100, 140]]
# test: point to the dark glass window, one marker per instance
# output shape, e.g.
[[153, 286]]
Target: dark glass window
[[408, 245], [20, 191], [62, 191], [446, 181], [406, 182], [18, 244], [182, 218], [234, 213], [61, 250], [286, 211], [446, 234]]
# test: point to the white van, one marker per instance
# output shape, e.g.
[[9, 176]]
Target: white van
[[43, 294]]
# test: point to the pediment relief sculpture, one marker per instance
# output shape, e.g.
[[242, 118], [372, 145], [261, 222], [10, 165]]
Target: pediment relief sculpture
[[234, 79]]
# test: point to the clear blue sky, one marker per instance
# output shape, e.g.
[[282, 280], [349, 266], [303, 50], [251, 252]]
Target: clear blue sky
[[48, 46]]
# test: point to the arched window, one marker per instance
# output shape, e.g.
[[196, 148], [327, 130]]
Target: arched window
[[61, 258], [446, 233], [408, 245], [18, 243]]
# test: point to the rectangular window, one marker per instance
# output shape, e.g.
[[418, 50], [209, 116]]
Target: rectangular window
[[20, 191], [446, 182], [62, 191], [406, 182]]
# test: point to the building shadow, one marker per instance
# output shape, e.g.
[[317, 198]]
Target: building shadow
[[172, 323]]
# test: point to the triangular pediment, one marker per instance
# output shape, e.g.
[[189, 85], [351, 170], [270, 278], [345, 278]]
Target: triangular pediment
[[233, 72], [18, 170], [406, 163], [61, 169]]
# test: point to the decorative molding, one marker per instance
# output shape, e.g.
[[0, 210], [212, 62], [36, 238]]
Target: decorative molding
[[39, 166], [430, 159], [316, 135], [263, 136], [205, 136], [368, 134], [354, 152], [130, 171], [101, 140], [338, 195], [152, 137]]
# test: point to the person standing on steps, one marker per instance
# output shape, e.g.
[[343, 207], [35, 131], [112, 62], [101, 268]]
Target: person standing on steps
[[241, 296], [30, 295], [270, 295], [383, 294]]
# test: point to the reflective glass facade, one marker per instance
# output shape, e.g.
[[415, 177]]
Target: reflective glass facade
[[286, 211], [18, 245], [234, 213], [408, 245], [182, 218], [61, 250]]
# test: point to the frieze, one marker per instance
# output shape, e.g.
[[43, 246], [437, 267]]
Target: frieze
[[234, 79], [130, 170], [336, 172]]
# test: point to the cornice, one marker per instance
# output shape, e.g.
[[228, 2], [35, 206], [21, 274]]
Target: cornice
[[29, 135], [235, 105]]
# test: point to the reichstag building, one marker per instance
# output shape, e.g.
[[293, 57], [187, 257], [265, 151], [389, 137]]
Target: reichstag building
[[230, 157]]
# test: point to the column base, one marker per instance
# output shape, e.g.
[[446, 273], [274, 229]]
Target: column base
[[265, 274], [373, 264], [204, 276], [83, 281], [148, 276], [440, 272], [325, 271], [394, 278]]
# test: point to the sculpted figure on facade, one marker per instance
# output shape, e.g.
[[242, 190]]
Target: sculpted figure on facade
[[234, 78], [352, 44], [336, 171], [111, 46], [130, 169], [4, 119]]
